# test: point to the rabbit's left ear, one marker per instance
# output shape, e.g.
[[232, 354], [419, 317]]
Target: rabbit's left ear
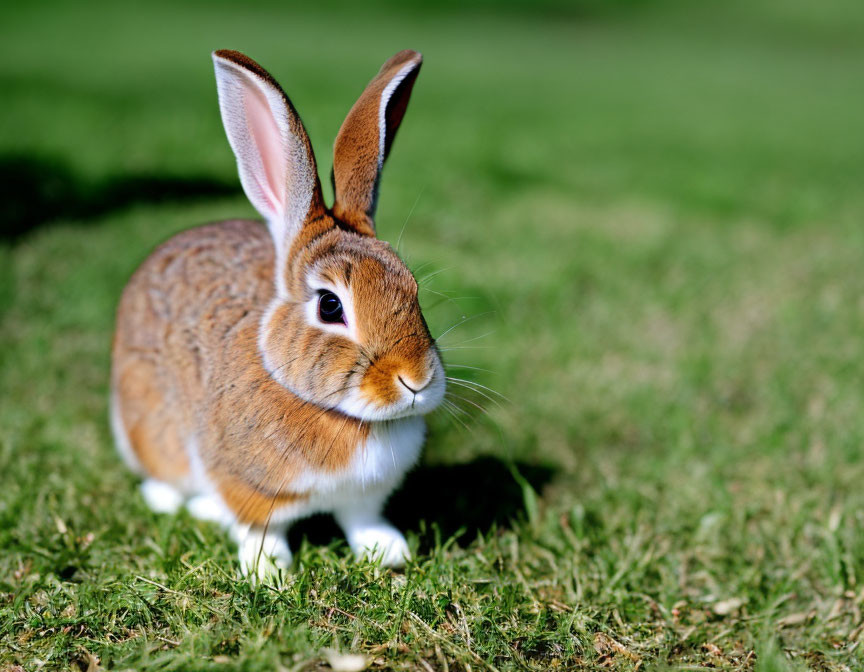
[[365, 139]]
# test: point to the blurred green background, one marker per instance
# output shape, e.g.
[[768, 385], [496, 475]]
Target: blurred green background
[[644, 216]]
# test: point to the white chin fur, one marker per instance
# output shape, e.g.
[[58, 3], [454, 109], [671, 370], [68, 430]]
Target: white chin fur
[[407, 406]]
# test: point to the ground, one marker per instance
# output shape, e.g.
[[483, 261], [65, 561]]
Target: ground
[[646, 219]]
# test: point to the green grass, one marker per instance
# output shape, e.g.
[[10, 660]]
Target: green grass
[[656, 210]]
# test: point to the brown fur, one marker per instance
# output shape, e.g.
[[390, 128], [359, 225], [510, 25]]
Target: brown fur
[[355, 153], [253, 436]]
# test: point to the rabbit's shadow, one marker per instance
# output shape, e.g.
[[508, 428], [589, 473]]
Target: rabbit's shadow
[[37, 190], [460, 500]]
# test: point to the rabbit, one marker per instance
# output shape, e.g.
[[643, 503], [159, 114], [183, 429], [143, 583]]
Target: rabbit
[[261, 374]]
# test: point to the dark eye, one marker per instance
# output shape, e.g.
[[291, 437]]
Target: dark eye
[[330, 308]]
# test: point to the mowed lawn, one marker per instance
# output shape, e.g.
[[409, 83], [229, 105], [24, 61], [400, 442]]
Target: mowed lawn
[[647, 221]]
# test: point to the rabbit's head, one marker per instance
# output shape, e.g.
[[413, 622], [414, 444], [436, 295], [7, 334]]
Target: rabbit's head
[[344, 329]]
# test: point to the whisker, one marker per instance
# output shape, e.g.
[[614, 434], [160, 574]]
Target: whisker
[[468, 401], [456, 408], [453, 379], [405, 223], [452, 409], [463, 321], [451, 299], [476, 391], [465, 347], [442, 292], [440, 302], [285, 452], [390, 445], [415, 271], [465, 366], [335, 438], [475, 338], [365, 455], [283, 483], [428, 277]]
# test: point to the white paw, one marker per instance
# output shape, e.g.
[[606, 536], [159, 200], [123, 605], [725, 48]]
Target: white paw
[[161, 497], [380, 541], [209, 508], [262, 556]]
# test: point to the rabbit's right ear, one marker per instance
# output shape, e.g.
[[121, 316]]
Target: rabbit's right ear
[[274, 156], [365, 138]]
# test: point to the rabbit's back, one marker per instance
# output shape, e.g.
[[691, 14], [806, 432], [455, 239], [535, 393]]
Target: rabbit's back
[[173, 323]]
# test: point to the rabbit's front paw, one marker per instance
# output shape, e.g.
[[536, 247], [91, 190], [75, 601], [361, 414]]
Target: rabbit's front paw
[[160, 496], [262, 556], [380, 541]]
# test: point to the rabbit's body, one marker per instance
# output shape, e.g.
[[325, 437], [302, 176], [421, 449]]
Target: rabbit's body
[[262, 374], [189, 337], [169, 354]]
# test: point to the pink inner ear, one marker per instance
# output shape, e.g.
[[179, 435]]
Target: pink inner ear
[[268, 139]]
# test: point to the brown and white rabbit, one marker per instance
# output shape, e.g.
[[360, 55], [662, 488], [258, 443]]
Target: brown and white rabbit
[[263, 374]]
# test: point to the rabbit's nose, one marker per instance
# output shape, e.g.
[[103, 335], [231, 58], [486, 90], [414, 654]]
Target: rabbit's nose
[[414, 390]]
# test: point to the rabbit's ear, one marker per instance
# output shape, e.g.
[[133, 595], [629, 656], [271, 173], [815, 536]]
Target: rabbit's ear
[[365, 138], [274, 155]]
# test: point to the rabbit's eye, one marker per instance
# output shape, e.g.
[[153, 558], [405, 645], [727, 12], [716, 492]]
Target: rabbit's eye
[[330, 308]]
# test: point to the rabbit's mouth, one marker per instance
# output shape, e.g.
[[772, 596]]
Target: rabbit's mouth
[[389, 393], [425, 397]]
